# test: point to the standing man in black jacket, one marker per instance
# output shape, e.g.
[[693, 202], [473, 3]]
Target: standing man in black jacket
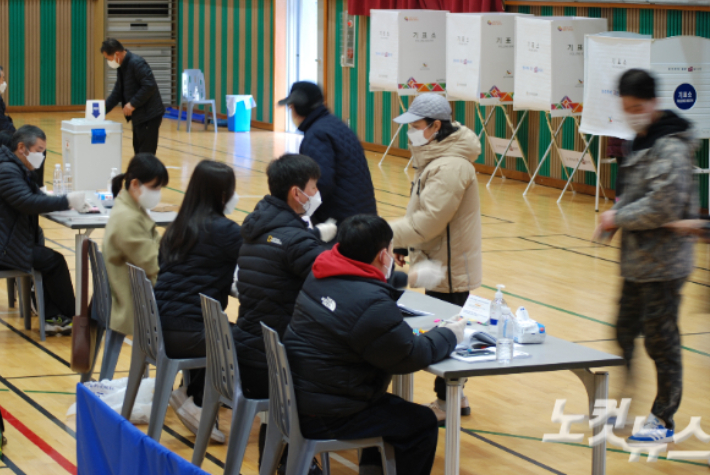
[[345, 182], [347, 338], [21, 246], [137, 90]]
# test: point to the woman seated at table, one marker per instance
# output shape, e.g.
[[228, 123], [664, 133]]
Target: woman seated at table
[[198, 255], [131, 236]]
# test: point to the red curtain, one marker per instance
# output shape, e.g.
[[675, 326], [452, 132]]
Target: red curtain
[[363, 7]]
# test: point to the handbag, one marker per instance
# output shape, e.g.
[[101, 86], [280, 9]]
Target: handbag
[[83, 340]]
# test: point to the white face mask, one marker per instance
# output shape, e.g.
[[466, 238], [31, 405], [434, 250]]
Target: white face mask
[[36, 159], [148, 198], [112, 63], [389, 267], [416, 136], [231, 204], [312, 204], [3, 88], [639, 122]]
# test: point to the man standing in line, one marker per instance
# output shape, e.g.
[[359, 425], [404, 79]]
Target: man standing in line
[[655, 262], [137, 90]]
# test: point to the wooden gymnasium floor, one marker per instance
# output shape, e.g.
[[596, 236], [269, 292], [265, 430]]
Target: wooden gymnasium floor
[[539, 250]]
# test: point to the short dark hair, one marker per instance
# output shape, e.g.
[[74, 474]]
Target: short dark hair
[[28, 135], [363, 236], [290, 170], [145, 167], [637, 83], [447, 128], [110, 46]]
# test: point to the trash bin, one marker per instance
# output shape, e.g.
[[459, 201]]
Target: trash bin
[[92, 148], [239, 112]]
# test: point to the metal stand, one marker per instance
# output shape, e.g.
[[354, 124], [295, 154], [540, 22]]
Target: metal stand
[[597, 170], [399, 129], [514, 137], [544, 157]]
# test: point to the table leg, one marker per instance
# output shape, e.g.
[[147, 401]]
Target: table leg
[[407, 387], [597, 386], [79, 241], [454, 390], [397, 385]]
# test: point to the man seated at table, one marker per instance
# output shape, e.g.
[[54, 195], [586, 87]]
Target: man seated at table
[[21, 241], [347, 338]]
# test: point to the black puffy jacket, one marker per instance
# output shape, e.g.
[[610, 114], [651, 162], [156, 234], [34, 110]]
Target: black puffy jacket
[[21, 202], [347, 338], [207, 269], [345, 183], [5, 120], [135, 84], [275, 259]]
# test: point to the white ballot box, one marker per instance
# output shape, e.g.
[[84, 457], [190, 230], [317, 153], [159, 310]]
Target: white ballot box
[[92, 148], [480, 57], [549, 63], [408, 51]]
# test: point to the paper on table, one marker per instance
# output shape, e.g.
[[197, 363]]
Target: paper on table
[[477, 309]]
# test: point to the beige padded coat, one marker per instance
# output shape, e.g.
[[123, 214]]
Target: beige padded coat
[[443, 219], [131, 237]]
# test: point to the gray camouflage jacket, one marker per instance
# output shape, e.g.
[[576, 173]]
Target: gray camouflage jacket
[[658, 189]]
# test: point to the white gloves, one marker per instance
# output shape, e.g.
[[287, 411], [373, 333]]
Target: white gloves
[[327, 230], [457, 327], [426, 274], [77, 201]]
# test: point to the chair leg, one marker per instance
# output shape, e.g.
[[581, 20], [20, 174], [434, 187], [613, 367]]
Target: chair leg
[[135, 376], [166, 371], [300, 456], [389, 466], [25, 288], [273, 448], [190, 107], [179, 113], [214, 117], [243, 414], [210, 409], [39, 297], [325, 463], [11, 292], [87, 376], [112, 349], [207, 121]]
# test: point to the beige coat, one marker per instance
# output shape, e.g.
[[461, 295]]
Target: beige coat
[[443, 219], [131, 237]]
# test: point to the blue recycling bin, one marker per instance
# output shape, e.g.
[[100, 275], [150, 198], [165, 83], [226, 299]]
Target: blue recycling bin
[[239, 112]]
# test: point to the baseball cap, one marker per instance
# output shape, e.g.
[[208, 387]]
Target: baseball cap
[[304, 95], [426, 106]]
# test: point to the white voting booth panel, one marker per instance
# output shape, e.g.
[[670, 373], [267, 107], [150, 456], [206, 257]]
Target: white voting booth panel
[[408, 51], [480, 57], [92, 148], [549, 63]]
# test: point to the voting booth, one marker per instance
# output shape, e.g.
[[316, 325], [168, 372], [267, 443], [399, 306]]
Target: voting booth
[[549, 76], [92, 148], [480, 61]]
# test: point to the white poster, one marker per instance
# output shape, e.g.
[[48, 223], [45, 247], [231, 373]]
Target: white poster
[[549, 66], [682, 67], [570, 158], [408, 51], [480, 57], [499, 146], [606, 59]]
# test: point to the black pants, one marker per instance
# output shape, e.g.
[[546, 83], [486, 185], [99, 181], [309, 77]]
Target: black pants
[[456, 298], [652, 308], [58, 289], [145, 135], [410, 428]]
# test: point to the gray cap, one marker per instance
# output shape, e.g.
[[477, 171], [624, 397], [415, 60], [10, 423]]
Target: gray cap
[[426, 106]]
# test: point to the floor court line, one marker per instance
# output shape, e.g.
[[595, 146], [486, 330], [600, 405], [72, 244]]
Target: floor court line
[[36, 344], [11, 465]]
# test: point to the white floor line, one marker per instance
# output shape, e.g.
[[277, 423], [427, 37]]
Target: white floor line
[[345, 462], [128, 341]]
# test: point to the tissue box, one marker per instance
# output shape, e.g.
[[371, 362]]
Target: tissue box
[[528, 331]]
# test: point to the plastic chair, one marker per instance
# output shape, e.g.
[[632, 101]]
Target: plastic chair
[[193, 94], [149, 348], [223, 386], [101, 312], [23, 281], [284, 427]]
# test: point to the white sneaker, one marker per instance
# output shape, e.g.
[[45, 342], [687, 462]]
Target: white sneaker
[[654, 431], [189, 414], [178, 398]]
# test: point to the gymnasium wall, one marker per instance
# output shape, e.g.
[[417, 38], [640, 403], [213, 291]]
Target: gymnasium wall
[[231, 42], [370, 114], [45, 49]]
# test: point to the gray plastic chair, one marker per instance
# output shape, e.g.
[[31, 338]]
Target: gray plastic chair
[[284, 427], [149, 348], [101, 312], [23, 280], [194, 94], [223, 386]]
